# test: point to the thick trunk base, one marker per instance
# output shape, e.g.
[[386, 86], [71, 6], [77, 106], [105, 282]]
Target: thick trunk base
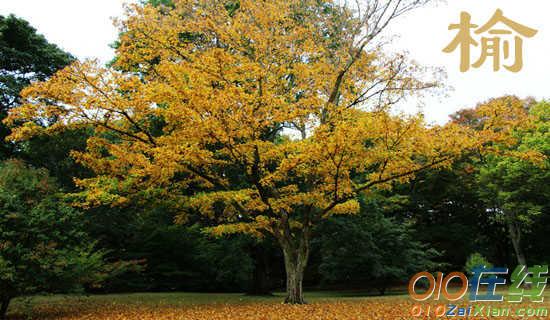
[[294, 278], [296, 254], [295, 300], [294, 294]]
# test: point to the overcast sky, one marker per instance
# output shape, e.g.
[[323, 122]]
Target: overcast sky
[[85, 29]]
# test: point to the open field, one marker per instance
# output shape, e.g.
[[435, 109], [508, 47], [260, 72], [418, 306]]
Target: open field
[[198, 306]]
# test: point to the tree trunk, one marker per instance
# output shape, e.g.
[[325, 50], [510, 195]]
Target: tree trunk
[[516, 242], [515, 236], [294, 278], [4, 308], [295, 264]]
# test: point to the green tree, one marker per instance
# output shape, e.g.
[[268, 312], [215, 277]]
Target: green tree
[[449, 215], [514, 189], [182, 257], [54, 154], [476, 260], [43, 245], [362, 248], [25, 56]]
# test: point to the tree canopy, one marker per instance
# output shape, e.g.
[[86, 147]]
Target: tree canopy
[[25, 56]]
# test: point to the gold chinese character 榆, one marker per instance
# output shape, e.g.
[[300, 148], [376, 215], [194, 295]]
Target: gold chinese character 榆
[[496, 44]]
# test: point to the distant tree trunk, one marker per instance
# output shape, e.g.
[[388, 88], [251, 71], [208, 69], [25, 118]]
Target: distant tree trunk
[[515, 236], [4, 307], [260, 276]]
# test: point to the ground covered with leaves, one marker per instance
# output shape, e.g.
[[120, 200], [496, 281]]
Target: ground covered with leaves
[[184, 306]]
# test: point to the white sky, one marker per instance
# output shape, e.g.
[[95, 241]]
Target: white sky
[[85, 29], [82, 27]]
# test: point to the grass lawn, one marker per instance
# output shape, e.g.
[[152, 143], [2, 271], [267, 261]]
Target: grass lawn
[[211, 306]]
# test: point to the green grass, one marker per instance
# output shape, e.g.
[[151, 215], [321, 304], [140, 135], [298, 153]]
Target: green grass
[[178, 299], [192, 298]]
